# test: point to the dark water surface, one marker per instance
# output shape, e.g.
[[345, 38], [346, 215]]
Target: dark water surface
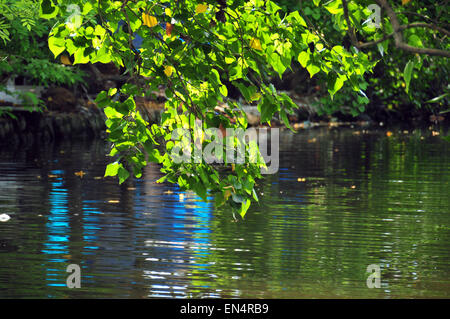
[[366, 199]]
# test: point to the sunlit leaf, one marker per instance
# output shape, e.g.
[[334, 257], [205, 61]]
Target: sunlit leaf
[[168, 70], [255, 44], [201, 8], [112, 169], [407, 73], [149, 20]]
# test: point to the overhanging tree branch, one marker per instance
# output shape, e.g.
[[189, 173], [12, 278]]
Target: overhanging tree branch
[[397, 33]]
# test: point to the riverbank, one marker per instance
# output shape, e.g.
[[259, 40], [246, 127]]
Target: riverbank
[[88, 121], [22, 126]]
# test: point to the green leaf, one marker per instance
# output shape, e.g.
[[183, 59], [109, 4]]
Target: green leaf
[[407, 73], [244, 207], [267, 109], [285, 119], [112, 169], [295, 15], [303, 58], [56, 45], [333, 7], [199, 189], [123, 174], [381, 48], [415, 41], [87, 7], [335, 83], [223, 90], [215, 77], [437, 98], [80, 57], [313, 69], [48, 9]]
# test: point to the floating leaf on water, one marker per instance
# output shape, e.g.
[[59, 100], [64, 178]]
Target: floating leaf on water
[[80, 173]]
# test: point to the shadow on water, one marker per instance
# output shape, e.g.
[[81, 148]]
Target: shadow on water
[[342, 200]]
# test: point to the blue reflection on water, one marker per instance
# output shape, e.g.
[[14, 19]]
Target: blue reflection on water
[[57, 229], [90, 227]]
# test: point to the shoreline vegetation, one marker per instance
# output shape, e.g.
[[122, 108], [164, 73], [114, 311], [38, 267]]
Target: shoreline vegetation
[[67, 116], [71, 113], [229, 64], [86, 120]]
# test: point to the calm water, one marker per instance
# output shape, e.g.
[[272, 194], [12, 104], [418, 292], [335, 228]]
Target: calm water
[[366, 199]]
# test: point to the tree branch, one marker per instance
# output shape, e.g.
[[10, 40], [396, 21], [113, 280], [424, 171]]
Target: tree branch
[[397, 33], [398, 38]]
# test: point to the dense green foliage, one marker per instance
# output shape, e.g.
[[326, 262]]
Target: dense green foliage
[[192, 48], [24, 50], [402, 81], [241, 42]]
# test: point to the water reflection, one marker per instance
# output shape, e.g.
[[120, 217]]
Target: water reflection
[[58, 230], [340, 202]]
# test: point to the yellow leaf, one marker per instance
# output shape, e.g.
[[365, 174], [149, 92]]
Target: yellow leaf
[[405, 2], [149, 20], [255, 44], [168, 70], [201, 8], [255, 96], [65, 60], [227, 194]]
